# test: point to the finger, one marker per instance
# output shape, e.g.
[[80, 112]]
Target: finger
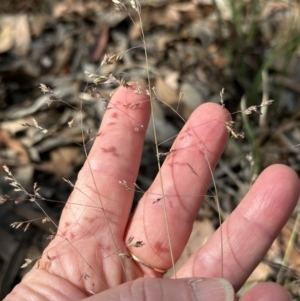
[[98, 198], [250, 230], [185, 176], [156, 289], [39, 284], [267, 292]]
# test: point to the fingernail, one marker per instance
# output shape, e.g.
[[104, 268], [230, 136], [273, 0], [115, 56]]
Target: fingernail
[[212, 289]]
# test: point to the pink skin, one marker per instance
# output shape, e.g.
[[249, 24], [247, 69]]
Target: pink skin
[[115, 156], [266, 292]]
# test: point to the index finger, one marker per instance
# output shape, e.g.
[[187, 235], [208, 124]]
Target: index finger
[[98, 197]]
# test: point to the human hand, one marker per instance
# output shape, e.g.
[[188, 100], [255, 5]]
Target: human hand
[[89, 251]]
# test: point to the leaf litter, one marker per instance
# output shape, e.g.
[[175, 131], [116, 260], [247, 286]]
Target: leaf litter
[[195, 50]]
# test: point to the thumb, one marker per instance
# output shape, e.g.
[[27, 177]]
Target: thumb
[[142, 289]]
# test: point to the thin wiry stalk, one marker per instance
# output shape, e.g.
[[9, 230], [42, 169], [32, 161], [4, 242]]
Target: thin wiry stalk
[[265, 97], [72, 245], [289, 248], [156, 148], [169, 106], [33, 197], [219, 212]]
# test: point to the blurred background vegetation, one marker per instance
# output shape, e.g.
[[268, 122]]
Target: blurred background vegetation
[[248, 47]]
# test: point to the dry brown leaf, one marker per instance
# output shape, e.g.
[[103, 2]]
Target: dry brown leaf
[[165, 92], [184, 7], [101, 43], [294, 258], [218, 56], [63, 53], [64, 159], [192, 98], [15, 34], [152, 17], [38, 24], [16, 146], [22, 35], [6, 33], [62, 8], [171, 80], [261, 273], [165, 39], [272, 7], [224, 8], [166, 17]]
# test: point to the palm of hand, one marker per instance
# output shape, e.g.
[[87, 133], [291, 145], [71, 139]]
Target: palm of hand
[[85, 256]]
